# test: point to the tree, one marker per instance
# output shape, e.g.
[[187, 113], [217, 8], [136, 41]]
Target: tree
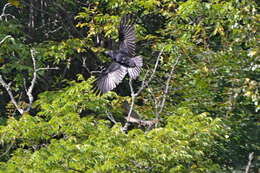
[[194, 108]]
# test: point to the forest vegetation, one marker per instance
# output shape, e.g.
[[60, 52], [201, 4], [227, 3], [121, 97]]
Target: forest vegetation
[[194, 108]]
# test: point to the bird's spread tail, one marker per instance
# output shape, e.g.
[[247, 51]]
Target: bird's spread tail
[[135, 71], [138, 61]]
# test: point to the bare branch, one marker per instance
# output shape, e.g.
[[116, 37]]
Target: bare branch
[[88, 70], [134, 95], [47, 68], [133, 98], [7, 88], [140, 122], [134, 118], [5, 38], [29, 90], [162, 103], [127, 124], [53, 31], [73, 169], [4, 14], [33, 81], [146, 83], [155, 101], [110, 117], [250, 158], [159, 104], [8, 149], [2, 81]]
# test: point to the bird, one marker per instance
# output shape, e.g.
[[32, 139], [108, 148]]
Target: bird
[[124, 59]]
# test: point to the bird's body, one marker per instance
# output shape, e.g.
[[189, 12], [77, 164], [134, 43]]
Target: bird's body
[[124, 59], [119, 56]]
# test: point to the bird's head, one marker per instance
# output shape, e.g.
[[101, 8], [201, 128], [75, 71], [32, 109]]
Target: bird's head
[[109, 53]]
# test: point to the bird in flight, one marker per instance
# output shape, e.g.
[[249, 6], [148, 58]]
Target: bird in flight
[[124, 59]]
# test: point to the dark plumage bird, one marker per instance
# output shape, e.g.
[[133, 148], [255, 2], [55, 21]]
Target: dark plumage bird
[[124, 59]]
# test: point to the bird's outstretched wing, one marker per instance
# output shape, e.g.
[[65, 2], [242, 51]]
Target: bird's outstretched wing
[[127, 35], [113, 75]]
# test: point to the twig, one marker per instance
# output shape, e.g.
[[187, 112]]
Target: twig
[[250, 158], [73, 169], [3, 12], [127, 124], [7, 88], [88, 70], [155, 100], [132, 100], [146, 83], [134, 118], [53, 31], [5, 38], [47, 68], [162, 103], [33, 81], [140, 122], [158, 102], [29, 90], [110, 117], [8, 149]]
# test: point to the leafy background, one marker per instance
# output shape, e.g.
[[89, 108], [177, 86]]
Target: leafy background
[[210, 121]]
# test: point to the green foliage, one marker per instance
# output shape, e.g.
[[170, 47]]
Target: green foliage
[[184, 144], [210, 122], [76, 98], [62, 51]]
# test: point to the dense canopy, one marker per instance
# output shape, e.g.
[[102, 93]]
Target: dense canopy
[[193, 108]]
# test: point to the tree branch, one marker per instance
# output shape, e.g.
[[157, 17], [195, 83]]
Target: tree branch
[[29, 91], [5, 38], [110, 117], [250, 158], [155, 101], [165, 92], [146, 83], [4, 14], [159, 104], [7, 88], [73, 169], [134, 95], [140, 122], [33, 81], [134, 118], [132, 100], [31, 87], [8, 149]]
